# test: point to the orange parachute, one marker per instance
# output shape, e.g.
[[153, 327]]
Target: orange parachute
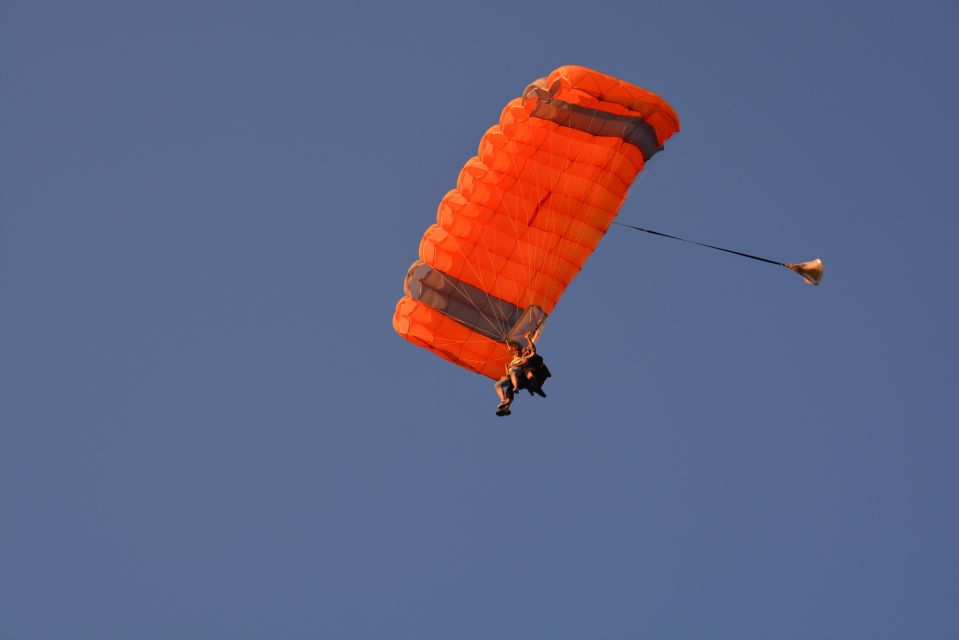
[[527, 212]]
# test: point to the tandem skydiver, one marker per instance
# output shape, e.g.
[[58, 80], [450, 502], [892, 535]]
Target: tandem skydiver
[[526, 370]]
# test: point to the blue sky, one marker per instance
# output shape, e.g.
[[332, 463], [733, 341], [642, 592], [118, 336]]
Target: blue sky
[[208, 428]]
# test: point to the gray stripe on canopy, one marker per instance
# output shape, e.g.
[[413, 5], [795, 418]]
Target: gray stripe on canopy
[[468, 305], [632, 129]]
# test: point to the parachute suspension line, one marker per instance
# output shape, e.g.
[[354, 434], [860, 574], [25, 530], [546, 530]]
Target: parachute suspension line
[[580, 233], [511, 149], [548, 258], [514, 218], [811, 271], [498, 321], [537, 253], [537, 190], [501, 321], [465, 294], [544, 189], [469, 298]]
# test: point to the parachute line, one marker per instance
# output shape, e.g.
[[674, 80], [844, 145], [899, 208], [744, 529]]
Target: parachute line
[[701, 244], [811, 271]]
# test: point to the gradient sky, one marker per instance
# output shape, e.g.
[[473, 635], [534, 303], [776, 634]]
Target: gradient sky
[[208, 428]]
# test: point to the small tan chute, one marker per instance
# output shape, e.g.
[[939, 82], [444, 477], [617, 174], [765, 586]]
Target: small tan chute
[[811, 271]]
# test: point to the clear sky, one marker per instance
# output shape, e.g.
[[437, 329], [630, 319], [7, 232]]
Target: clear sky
[[208, 428]]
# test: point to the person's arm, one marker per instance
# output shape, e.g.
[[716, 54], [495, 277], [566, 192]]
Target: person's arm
[[532, 345]]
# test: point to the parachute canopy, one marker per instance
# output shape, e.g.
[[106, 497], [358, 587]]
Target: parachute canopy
[[527, 212]]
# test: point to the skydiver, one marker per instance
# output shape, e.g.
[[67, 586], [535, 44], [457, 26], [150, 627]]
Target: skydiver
[[505, 387], [534, 372], [525, 370]]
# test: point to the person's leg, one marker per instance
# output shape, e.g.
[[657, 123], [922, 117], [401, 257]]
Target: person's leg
[[499, 390], [504, 389], [514, 377]]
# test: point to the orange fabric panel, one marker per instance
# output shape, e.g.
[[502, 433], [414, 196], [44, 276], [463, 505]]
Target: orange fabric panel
[[520, 198], [506, 278], [550, 232], [449, 340], [530, 207], [554, 144], [525, 251]]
